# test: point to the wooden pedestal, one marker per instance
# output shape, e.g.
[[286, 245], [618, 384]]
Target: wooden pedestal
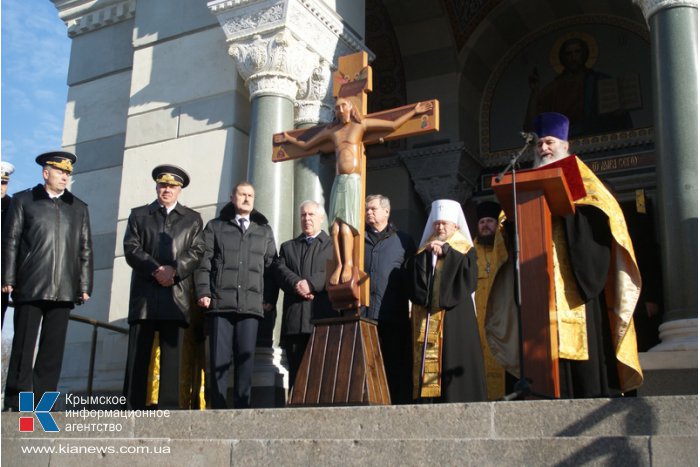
[[342, 365]]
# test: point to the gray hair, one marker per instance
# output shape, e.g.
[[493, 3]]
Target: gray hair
[[383, 201], [242, 184], [318, 207]]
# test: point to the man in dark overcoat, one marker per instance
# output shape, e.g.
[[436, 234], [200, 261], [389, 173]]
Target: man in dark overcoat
[[6, 169], [386, 250], [300, 271], [163, 245]]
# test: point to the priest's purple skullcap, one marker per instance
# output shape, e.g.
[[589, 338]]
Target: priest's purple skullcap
[[552, 124]]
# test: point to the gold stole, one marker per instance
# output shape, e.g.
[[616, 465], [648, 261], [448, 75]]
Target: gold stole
[[191, 368], [489, 260], [432, 381]]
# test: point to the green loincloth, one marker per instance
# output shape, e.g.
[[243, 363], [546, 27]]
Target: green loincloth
[[345, 199]]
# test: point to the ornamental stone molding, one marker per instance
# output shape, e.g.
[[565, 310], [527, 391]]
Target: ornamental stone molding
[[314, 102], [310, 21], [288, 26], [651, 7], [680, 334], [81, 16], [444, 171], [274, 65]]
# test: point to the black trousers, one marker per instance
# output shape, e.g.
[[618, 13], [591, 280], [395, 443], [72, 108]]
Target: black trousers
[[141, 335], [232, 341], [294, 347], [395, 342], [5, 303], [25, 374]]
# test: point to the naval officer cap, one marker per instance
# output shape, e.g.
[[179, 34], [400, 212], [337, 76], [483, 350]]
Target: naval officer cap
[[59, 159], [6, 169], [170, 175]]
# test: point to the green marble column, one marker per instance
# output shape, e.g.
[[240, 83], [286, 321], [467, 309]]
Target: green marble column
[[674, 35], [313, 178], [274, 182]]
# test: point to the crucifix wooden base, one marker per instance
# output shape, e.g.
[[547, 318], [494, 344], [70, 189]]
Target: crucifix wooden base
[[343, 363]]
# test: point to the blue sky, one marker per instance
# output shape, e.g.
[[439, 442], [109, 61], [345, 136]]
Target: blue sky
[[35, 55]]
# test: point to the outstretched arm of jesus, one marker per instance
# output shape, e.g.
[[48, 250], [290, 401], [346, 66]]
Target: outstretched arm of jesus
[[379, 124], [318, 139]]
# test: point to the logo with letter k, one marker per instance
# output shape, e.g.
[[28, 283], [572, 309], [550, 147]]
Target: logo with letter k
[[42, 411]]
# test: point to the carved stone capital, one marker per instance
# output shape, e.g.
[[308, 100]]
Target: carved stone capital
[[273, 65], [310, 21], [314, 100], [282, 67], [81, 16], [442, 171], [651, 7]]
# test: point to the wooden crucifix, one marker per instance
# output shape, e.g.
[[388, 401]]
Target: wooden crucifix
[[347, 284]]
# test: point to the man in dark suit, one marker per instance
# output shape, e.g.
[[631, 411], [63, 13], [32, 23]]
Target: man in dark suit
[[300, 271], [163, 245]]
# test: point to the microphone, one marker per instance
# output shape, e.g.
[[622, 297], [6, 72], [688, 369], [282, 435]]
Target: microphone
[[530, 138]]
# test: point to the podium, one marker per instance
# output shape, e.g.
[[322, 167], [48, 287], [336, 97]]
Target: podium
[[541, 193]]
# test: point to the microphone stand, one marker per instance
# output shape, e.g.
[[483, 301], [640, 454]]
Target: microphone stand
[[522, 388]]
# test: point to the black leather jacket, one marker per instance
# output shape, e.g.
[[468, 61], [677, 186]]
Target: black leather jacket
[[47, 247], [152, 240]]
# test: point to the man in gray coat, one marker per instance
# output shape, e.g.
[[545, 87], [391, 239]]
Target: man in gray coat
[[47, 267], [163, 245]]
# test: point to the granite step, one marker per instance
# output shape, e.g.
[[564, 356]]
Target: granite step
[[628, 431]]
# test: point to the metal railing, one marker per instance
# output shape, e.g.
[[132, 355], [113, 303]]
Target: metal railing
[[93, 345]]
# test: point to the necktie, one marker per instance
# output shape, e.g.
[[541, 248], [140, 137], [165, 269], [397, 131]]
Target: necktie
[[241, 221], [309, 241]]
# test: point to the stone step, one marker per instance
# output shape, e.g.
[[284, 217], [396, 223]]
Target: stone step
[[583, 450], [629, 431]]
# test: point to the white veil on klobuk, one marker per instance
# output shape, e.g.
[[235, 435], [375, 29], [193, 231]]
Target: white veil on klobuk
[[445, 210]]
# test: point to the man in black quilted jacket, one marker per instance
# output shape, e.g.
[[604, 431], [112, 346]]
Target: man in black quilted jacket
[[235, 284]]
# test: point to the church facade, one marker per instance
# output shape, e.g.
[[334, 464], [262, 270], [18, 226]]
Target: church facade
[[205, 85]]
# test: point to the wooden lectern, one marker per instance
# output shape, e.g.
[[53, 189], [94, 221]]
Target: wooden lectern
[[540, 194]]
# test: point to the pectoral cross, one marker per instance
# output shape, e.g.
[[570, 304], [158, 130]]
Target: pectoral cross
[[348, 286]]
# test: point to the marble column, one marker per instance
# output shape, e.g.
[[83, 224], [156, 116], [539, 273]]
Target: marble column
[[272, 67], [313, 176], [674, 43]]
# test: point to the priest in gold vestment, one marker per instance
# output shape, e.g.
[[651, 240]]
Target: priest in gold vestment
[[597, 285], [491, 256]]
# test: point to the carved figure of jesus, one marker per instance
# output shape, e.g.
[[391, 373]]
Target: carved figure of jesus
[[347, 134]]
